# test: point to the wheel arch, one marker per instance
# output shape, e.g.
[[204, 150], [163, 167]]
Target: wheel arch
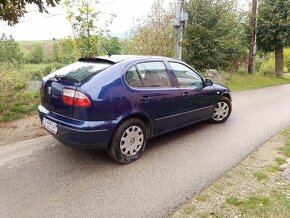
[[227, 95], [141, 117]]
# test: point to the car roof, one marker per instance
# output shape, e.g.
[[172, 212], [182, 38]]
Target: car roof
[[119, 58]]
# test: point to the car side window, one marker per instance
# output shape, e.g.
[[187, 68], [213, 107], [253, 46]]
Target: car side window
[[133, 78], [154, 74], [185, 76]]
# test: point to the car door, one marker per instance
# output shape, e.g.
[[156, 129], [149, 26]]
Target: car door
[[152, 89], [197, 99]]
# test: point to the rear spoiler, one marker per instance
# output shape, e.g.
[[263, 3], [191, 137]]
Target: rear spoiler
[[95, 59]]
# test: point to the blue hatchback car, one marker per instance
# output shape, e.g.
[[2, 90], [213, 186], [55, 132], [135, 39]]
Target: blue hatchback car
[[119, 102]]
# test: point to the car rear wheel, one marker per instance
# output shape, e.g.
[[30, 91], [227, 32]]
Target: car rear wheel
[[128, 141], [222, 111]]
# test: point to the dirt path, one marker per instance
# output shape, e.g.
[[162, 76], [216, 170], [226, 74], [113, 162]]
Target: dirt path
[[26, 128]]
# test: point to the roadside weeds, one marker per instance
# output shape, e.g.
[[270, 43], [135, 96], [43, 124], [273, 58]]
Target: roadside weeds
[[255, 188]]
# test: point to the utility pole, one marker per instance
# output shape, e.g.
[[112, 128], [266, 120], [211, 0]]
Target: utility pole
[[179, 24], [253, 28]]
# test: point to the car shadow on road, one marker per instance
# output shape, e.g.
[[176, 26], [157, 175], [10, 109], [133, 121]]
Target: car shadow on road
[[62, 157], [176, 135]]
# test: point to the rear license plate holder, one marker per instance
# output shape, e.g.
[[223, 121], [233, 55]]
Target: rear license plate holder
[[50, 125]]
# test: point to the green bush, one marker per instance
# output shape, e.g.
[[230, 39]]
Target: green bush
[[15, 99], [37, 75], [287, 58], [265, 63], [268, 68], [12, 81]]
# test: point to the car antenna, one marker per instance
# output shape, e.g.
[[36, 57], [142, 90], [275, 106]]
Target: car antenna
[[109, 53]]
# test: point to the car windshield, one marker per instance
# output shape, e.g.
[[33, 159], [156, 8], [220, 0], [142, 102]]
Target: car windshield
[[79, 71]]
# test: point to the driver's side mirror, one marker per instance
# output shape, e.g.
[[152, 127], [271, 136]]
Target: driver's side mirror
[[208, 82]]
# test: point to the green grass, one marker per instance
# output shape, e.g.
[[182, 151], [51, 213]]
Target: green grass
[[233, 201], [35, 67], [204, 215], [237, 82], [272, 169], [286, 148], [280, 160], [255, 205], [189, 209], [24, 103], [202, 197], [260, 206], [260, 175], [276, 205]]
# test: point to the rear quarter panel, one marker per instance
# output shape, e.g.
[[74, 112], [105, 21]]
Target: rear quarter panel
[[109, 97]]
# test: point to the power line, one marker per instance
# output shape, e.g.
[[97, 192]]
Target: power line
[[24, 21], [53, 15], [37, 10]]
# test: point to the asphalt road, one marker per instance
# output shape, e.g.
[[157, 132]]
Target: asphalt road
[[43, 178]]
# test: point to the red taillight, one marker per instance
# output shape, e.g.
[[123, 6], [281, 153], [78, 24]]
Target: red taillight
[[68, 96], [75, 98], [81, 100]]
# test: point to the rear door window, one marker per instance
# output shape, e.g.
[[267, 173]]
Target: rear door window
[[154, 74]]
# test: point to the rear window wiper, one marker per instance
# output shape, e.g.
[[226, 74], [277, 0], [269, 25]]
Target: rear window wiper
[[64, 77]]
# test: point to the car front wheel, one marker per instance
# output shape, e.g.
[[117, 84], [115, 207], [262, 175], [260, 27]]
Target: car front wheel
[[128, 141], [222, 111]]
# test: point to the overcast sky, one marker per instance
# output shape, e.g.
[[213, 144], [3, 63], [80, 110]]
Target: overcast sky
[[41, 26]]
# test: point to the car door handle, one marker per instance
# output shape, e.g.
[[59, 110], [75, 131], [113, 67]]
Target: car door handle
[[186, 94], [145, 98]]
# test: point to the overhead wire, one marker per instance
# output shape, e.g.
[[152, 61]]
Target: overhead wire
[[52, 15]]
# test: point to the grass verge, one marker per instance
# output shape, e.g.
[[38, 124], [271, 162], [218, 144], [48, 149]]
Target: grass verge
[[237, 82], [15, 98], [18, 106], [260, 191]]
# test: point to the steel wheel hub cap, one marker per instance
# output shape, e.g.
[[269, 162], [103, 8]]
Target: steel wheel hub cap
[[221, 111], [131, 141]]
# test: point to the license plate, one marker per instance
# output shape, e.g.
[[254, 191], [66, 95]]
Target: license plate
[[49, 125]]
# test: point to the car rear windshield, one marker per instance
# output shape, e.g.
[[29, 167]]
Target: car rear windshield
[[79, 71]]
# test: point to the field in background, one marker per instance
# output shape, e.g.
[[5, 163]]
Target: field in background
[[35, 67], [28, 46]]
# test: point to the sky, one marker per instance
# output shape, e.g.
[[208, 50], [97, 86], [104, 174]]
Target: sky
[[42, 26]]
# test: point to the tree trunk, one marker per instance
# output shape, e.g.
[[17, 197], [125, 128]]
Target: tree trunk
[[279, 59]]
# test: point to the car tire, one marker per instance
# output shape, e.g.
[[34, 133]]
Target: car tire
[[129, 141], [222, 111]]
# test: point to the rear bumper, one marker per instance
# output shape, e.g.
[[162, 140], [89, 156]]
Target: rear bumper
[[77, 133]]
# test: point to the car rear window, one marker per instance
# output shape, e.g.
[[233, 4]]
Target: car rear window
[[79, 71]]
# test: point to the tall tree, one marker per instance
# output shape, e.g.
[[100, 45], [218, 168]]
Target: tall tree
[[113, 45], [214, 35], [10, 51], [154, 35], [67, 53], [273, 31], [12, 11], [37, 55], [85, 22]]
